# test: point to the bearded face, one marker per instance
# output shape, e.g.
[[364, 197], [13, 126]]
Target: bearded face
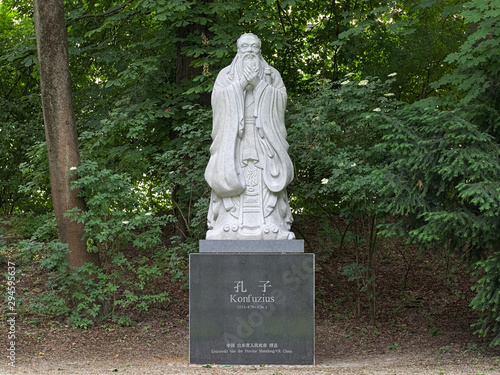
[[249, 51]]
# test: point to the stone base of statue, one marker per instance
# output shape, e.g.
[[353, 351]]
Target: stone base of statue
[[262, 232], [251, 308], [262, 246]]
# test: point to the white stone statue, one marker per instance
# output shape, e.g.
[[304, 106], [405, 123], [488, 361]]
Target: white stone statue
[[249, 167]]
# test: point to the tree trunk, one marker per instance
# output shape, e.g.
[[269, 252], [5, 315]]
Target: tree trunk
[[59, 120], [184, 71]]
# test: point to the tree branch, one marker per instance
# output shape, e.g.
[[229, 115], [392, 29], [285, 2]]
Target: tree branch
[[108, 12]]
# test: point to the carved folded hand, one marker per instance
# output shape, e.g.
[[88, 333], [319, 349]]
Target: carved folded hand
[[251, 76]]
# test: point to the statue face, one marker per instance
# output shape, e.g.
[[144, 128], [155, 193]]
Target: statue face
[[249, 43]]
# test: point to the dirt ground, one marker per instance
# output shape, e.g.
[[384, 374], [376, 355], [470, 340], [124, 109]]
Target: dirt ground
[[162, 348], [428, 334]]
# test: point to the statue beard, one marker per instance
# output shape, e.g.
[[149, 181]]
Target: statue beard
[[250, 59]]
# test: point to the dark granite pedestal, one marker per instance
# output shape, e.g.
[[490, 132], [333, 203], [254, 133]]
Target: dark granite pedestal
[[252, 246], [251, 307]]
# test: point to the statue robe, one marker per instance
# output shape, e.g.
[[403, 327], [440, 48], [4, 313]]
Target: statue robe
[[223, 173]]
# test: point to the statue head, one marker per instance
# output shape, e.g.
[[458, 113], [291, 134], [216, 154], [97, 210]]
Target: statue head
[[249, 50], [249, 43]]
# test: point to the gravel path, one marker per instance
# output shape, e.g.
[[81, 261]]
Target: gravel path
[[155, 348], [370, 364]]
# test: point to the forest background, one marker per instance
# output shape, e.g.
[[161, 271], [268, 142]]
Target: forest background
[[393, 126]]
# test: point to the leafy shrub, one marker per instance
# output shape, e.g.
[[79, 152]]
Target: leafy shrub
[[487, 299], [333, 135], [20, 128], [88, 293], [117, 212], [36, 226], [181, 171], [441, 180], [127, 236]]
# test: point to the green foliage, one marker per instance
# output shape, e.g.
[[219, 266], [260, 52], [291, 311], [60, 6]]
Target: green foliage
[[434, 331], [118, 218], [394, 346], [40, 227], [354, 271], [443, 168], [117, 212], [412, 38], [443, 175], [333, 136], [476, 60], [477, 75], [20, 129], [442, 178], [21, 124], [487, 299], [135, 65], [87, 294], [35, 172], [181, 170]]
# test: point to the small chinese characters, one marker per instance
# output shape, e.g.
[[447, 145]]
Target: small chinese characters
[[252, 345]]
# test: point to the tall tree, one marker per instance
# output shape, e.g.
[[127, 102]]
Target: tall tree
[[60, 127]]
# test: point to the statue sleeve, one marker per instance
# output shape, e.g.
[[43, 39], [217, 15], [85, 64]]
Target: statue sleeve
[[223, 170]]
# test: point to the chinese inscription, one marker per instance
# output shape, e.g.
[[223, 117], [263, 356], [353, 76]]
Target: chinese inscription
[[250, 298]]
